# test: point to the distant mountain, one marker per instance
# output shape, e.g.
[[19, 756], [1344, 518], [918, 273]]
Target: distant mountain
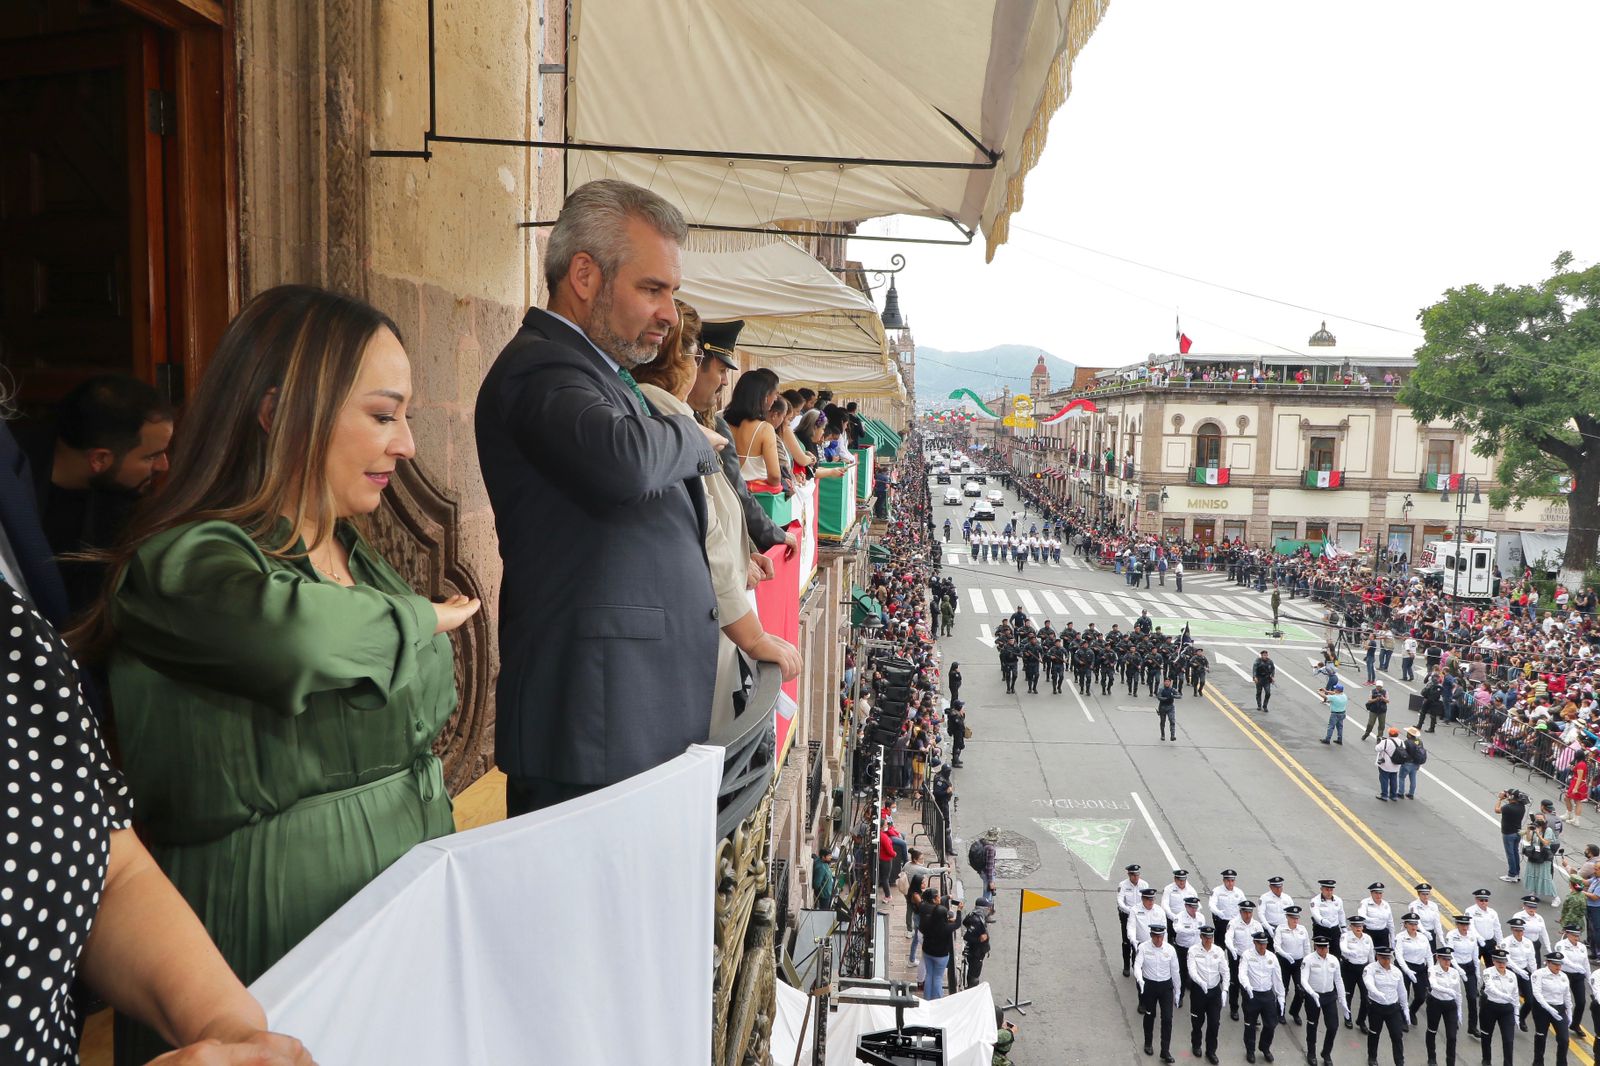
[[939, 372]]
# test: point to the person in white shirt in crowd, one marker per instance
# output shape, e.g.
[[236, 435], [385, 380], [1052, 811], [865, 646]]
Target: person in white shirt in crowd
[[1522, 959], [1575, 965], [1273, 902], [1261, 989], [1485, 922], [1146, 916], [1414, 951], [1240, 942], [1465, 948], [1378, 913], [1426, 908], [1292, 942], [1172, 896], [1327, 915], [1155, 972], [1356, 952], [1207, 973], [1553, 1007], [1386, 993], [1446, 992], [1186, 935], [1127, 900], [1224, 903], [1500, 995], [1322, 977], [1408, 658]]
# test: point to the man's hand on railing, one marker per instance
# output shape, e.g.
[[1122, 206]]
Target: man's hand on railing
[[776, 650]]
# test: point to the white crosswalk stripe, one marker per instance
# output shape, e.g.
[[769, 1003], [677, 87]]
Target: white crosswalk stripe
[[1029, 604], [1054, 604], [1110, 607], [979, 604], [1081, 603]]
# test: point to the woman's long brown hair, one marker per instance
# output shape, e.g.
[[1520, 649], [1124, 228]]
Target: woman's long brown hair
[[301, 343]]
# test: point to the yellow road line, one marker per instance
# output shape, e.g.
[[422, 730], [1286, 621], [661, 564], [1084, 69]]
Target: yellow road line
[[1364, 835]]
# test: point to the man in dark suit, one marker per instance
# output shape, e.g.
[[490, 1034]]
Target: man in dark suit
[[608, 620], [25, 559]]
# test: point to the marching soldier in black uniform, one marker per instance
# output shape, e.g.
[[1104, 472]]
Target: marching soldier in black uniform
[[1129, 659], [1105, 664], [1151, 663], [1199, 665], [1008, 663], [1031, 654], [1055, 660], [1082, 665]]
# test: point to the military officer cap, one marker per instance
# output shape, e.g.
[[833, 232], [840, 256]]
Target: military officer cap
[[1261, 937], [1147, 892], [1481, 893], [1180, 873], [1320, 942], [1274, 880], [1246, 905], [1386, 951], [1376, 886], [1462, 919], [1230, 874], [1157, 930], [1530, 901], [1327, 882], [1516, 923], [1424, 887], [1191, 901], [1132, 867], [1443, 953], [1499, 954], [1356, 919], [1207, 930], [1295, 910], [1572, 929], [1410, 919], [1554, 956]]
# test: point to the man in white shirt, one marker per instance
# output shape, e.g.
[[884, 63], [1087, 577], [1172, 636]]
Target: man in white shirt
[[1534, 926], [1172, 896], [1465, 948], [1155, 972], [1446, 991], [1261, 988], [1426, 908], [1207, 973], [1522, 959], [1292, 943], [1575, 964], [1553, 1005], [1485, 921], [1415, 952], [1327, 915], [1321, 975], [1273, 901], [1127, 899], [1499, 1004], [1147, 916], [1379, 915], [1186, 935], [1356, 952], [1224, 904], [1386, 993], [1241, 941]]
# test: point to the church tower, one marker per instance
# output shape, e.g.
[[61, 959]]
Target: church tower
[[1039, 382]]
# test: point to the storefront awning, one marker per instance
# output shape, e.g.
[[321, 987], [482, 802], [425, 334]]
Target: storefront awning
[[822, 110]]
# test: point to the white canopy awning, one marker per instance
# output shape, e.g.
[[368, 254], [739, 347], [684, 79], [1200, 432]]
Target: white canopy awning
[[817, 101], [800, 321]]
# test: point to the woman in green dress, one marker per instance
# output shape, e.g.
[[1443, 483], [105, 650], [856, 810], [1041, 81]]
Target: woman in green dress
[[277, 687]]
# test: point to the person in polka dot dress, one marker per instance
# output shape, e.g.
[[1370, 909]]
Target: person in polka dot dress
[[70, 864]]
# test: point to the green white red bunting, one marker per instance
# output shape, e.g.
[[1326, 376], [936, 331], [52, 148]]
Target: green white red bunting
[[1210, 475], [1324, 479], [1449, 482]]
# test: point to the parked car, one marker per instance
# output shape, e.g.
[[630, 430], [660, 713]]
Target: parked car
[[972, 488], [951, 496]]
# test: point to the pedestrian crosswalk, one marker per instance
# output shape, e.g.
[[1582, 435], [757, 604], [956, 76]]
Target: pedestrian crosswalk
[[1059, 603], [960, 555]]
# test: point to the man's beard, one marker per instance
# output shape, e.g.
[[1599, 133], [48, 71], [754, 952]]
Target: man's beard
[[106, 481], [628, 353]]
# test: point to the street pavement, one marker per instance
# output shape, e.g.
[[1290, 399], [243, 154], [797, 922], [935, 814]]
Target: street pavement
[[1081, 786]]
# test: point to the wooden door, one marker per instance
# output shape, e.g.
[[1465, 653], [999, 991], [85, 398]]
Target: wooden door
[[1205, 530], [81, 211]]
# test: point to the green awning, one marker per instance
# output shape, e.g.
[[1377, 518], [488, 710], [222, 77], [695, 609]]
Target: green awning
[[863, 606], [877, 553]]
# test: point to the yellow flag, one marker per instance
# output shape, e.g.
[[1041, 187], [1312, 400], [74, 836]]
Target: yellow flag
[[1032, 901]]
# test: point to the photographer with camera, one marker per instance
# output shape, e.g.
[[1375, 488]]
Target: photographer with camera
[[1512, 807]]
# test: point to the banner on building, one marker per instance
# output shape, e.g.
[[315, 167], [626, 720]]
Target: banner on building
[[1324, 479], [1210, 475]]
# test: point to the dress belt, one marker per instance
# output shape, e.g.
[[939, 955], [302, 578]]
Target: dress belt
[[425, 769]]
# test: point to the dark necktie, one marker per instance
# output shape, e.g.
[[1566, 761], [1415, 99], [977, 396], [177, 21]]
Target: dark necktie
[[628, 380]]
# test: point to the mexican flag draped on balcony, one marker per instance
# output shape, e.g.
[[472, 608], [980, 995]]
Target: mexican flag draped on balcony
[[1437, 482], [1324, 479], [1210, 475]]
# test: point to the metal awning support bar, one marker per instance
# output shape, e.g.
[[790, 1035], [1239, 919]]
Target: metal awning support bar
[[773, 231]]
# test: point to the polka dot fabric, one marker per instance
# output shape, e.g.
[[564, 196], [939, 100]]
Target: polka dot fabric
[[60, 799]]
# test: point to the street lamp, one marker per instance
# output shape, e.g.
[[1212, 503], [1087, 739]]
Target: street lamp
[[1461, 521]]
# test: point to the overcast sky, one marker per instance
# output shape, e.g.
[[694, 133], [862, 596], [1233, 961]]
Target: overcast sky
[[1357, 157]]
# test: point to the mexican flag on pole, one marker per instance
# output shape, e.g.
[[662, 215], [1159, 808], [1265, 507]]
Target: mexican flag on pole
[[1324, 479], [1436, 482], [1210, 475]]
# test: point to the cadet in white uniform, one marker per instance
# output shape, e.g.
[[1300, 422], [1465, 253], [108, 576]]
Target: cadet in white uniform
[[1465, 948], [1575, 964], [1145, 917], [1155, 972], [1379, 915], [1207, 971], [1386, 990], [1240, 942], [1485, 922], [1522, 958], [1415, 952], [1186, 934], [1172, 896], [1594, 1011], [1429, 917], [1446, 993], [1327, 915], [1535, 928], [1261, 988], [1499, 1004], [1292, 943], [1127, 899], [1224, 904], [1272, 903], [1553, 1005], [1355, 955], [1321, 975]]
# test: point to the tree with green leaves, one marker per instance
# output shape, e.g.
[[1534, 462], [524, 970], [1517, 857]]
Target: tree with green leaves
[[1519, 368]]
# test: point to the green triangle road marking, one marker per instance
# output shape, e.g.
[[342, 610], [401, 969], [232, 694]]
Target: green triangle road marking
[[1094, 840]]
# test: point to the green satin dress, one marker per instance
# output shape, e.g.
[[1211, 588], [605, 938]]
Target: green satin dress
[[276, 732]]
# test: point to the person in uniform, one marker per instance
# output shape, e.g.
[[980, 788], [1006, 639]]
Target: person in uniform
[[1032, 653], [1199, 666], [1083, 658], [1485, 922], [1151, 663], [1130, 656], [1594, 1012], [1426, 908], [1386, 1007], [1322, 977], [1186, 935], [1008, 662], [1327, 915], [1273, 901], [1534, 927], [1173, 895], [1356, 952], [1055, 661], [1167, 710], [1261, 989], [1446, 992], [1575, 964], [1146, 916], [1264, 670], [1379, 915], [1414, 951], [1292, 943], [1240, 942], [1499, 1004], [1155, 972], [1466, 949], [1553, 1007], [1207, 972], [1105, 664], [1224, 903], [1522, 959], [1128, 890]]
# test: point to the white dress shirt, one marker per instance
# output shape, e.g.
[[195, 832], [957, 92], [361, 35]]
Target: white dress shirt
[[1447, 985], [1574, 956], [1463, 946], [1534, 928], [1594, 986], [1293, 944], [1270, 910], [1208, 968], [1520, 957], [1356, 950], [1485, 922], [1500, 986], [1427, 917], [1240, 933], [1385, 984], [1553, 992], [1260, 973], [1379, 916], [1186, 929], [1328, 913], [1413, 950], [1151, 963], [1142, 920], [1172, 898], [1320, 974], [1128, 896], [1225, 902]]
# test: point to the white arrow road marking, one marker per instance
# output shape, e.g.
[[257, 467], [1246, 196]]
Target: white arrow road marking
[[985, 635]]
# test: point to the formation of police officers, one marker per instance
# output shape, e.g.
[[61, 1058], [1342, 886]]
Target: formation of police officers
[[1422, 967], [1139, 656]]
